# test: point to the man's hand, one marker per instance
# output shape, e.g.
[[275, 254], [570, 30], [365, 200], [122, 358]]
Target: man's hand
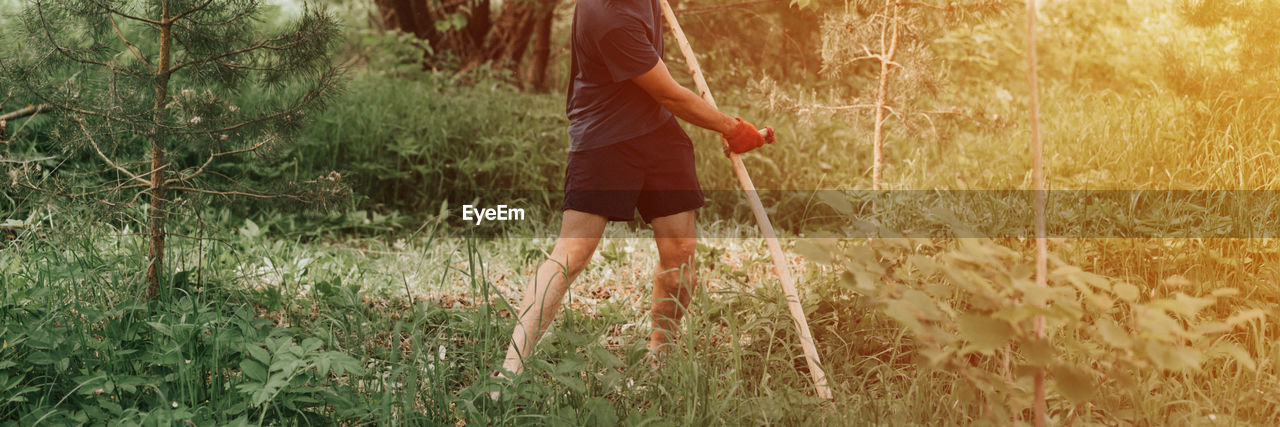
[[744, 137]]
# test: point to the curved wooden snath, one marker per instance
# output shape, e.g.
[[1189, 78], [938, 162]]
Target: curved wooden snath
[[766, 228], [1037, 184]]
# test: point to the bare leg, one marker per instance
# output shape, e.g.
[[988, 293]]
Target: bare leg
[[674, 279], [579, 234]]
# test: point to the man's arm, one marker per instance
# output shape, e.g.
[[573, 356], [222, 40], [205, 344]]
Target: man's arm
[[681, 101]]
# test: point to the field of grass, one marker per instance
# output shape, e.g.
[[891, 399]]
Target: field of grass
[[384, 310]]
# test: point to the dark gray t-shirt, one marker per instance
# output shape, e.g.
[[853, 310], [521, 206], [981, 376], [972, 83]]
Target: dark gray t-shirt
[[613, 41]]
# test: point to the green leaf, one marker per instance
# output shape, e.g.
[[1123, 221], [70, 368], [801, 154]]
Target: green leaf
[[322, 364], [310, 345], [600, 412], [253, 370], [1073, 382], [42, 358], [275, 383], [574, 383], [570, 366], [607, 359], [250, 229], [259, 353], [984, 333], [161, 328], [343, 362]]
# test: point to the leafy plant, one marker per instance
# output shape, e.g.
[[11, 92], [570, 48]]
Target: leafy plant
[[969, 304]]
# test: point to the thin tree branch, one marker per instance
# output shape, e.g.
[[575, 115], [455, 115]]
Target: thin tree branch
[[910, 3], [44, 26], [262, 44], [188, 12], [213, 156], [837, 107], [707, 9], [89, 136], [112, 10], [228, 194], [23, 162], [118, 187], [29, 110], [132, 48], [306, 99]]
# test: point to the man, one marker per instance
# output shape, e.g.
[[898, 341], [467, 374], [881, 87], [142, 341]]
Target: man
[[627, 153]]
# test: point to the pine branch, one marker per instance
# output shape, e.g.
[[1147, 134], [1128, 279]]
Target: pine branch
[[23, 162], [109, 9], [89, 135], [313, 94], [132, 48], [910, 3], [214, 156], [229, 194], [182, 15], [708, 9], [261, 44], [808, 108], [45, 26], [29, 110]]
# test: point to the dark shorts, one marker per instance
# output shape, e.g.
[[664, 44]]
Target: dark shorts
[[653, 173]]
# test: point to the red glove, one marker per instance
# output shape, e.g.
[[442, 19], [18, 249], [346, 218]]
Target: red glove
[[744, 137]]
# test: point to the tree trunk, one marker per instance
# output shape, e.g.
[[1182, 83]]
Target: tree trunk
[[419, 13], [514, 52], [404, 17], [385, 13], [887, 54], [480, 22], [510, 34], [157, 215], [537, 79]]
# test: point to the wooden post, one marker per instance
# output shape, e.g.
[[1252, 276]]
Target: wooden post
[[766, 228]]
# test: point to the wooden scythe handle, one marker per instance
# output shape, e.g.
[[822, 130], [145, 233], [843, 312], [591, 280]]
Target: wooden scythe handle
[[766, 228]]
